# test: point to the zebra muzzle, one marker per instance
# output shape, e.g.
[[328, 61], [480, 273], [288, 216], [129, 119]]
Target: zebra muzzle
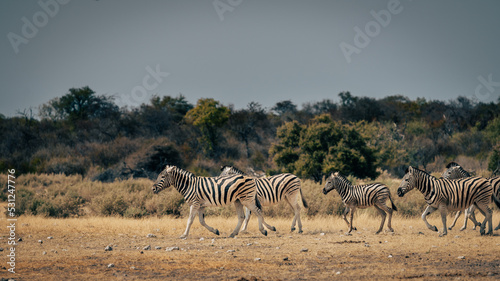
[[400, 192]]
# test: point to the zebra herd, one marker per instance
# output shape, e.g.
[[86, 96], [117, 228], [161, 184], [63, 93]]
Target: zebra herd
[[455, 191]]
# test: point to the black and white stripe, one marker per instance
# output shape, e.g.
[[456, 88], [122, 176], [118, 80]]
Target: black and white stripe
[[455, 171], [449, 195], [361, 196], [200, 192], [271, 190]]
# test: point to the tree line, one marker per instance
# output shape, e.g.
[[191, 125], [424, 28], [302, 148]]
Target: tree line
[[85, 133]]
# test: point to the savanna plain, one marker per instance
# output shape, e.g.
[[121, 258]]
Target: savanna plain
[[148, 248]]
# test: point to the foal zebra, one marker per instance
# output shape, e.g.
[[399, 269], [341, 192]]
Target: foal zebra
[[453, 195], [272, 190], [201, 192], [361, 196], [455, 171]]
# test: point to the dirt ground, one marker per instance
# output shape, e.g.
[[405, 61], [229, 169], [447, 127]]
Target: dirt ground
[[76, 251]]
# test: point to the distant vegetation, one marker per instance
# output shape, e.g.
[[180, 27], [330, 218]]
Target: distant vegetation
[[81, 154], [83, 133]]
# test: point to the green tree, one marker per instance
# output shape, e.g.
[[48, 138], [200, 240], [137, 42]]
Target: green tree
[[208, 115], [323, 146]]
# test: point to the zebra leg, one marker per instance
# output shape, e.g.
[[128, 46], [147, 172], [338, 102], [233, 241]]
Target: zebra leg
[[429, 210], [444, 212], [292, 200], [466, 217], [352, 215], [472, 216], [192, 213], [241, 216], [486, 211], [382, 213], [253, 208], [389, 221], [455, 220], [201, 216], [498, 227], [344, 216], [247, 218]]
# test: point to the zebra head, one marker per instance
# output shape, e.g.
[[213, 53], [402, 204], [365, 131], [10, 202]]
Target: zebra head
[[408, 182], [455, 171], [164, 179], [229, 171], [330, 183]]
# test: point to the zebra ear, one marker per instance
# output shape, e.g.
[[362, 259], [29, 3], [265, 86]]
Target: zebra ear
[[169, 169], [335, 174], [407, 169]]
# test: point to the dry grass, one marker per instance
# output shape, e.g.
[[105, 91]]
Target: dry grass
[[76, 251]]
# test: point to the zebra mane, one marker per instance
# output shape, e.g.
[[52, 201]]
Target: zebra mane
[[452, 164], [422, 172], [180, 171], [341, 178]]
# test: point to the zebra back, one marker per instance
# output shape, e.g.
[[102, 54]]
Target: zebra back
[[230, 170]]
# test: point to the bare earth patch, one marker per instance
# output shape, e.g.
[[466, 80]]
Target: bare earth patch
[[76, 251]]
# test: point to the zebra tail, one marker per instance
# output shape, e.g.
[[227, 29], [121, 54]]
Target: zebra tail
[[303, 200], [392, 203], [496, 200]]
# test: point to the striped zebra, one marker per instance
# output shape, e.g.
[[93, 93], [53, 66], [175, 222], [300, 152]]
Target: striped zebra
[[361, 196], [455, 171], [201, 192], [271, 190], [452, 195]]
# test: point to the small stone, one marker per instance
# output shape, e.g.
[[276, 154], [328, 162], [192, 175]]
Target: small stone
[[147, 248], [20, 239], [277, 248], [461, 257], [367, 245], [157, 248], [170, 249], [133, 268], [142, 252], [201, 239], [390, 256], [213, 240], [304, 250], [457, 236], [322, 234], [44, 253], [40, 241], [231, 251], [338, 272], [111, 265], [257, 259], [151, 235], [50, 237], [1, 249], [285, 258], [420, 233], [108, 248], [249, 244]]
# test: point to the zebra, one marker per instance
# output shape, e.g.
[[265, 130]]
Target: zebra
[[455, 171], [201, 192], [453, 195], [361, 196], [271, 190]]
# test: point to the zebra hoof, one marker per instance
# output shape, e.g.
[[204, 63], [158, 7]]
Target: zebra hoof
[[391, 230], [300, 231], [463, 228], [435, 229], [273, 228], [264, 232], [293, 229], [232, 235], [377, 232], [497, 228], [450, 228], [217, 232], [353, 228]]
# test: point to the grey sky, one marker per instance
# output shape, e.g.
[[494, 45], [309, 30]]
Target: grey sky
[[255, 50]]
